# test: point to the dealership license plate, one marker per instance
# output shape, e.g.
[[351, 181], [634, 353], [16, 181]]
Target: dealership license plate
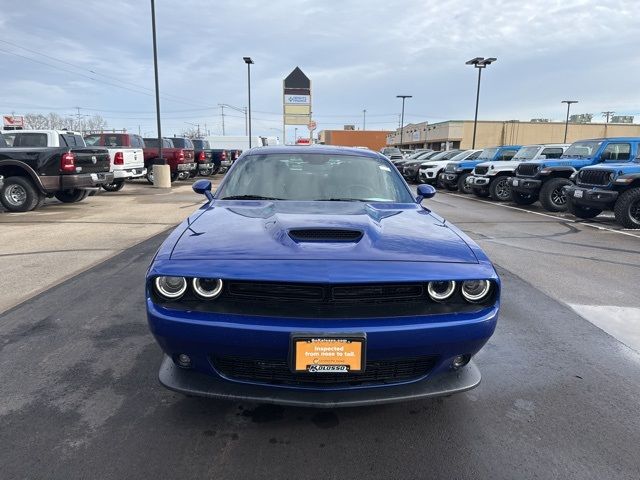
[[327, 354], [578, 193], [515, 183]]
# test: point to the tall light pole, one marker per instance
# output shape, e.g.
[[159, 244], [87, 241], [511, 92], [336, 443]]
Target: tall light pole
[[566, 122], [249, 62], [161, 173], [403, 97], [295, 135], [364, 119], [479, 63]]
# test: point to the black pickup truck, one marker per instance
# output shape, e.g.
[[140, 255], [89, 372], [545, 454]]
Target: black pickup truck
[[207, 164], [29, 175]]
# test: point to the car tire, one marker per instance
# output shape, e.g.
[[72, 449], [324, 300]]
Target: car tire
[[116, 186], [204, 172], [582, 211], [480, 192], [627, 208], [439, 182], [216, 170], [463, 187], [19, 194], [523, 198], [552, 198], [500, 190], [149, 175], [72, 196]]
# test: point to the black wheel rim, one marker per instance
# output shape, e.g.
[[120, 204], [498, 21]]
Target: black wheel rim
[[557, 197], [634, 211]]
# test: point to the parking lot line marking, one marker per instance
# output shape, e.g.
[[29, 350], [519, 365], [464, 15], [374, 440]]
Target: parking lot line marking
[[592, 225]]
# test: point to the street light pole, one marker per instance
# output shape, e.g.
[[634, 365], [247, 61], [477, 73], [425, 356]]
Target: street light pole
[[403, 97], [249, 62], [155, 71], [566, 122], [479, 63], [364, 119]]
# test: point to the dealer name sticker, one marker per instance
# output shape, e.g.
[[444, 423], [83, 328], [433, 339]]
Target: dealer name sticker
[[328, 355]]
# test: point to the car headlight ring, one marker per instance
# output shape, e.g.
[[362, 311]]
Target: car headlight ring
[[170, 288], [475, 291], [207, 288], [441, 290]]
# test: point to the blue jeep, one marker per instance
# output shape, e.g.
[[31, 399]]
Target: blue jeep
[[545, 180], [456, 173], [608, 186]]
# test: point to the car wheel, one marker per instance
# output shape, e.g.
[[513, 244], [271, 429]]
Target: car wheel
[[439, 182], [500, 190], [116, 186], [19, 194], [582, 211], [204, 172], [627, 208], [463, 186], [481, 192], [175, 176], [71, 196], [523, 198], [149, 176], [216, 170], [552, 197]]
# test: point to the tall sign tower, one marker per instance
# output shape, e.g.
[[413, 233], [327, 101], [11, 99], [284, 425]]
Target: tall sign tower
[[296, 90]]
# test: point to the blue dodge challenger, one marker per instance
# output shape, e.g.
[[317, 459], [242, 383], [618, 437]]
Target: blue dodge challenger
[[313, 276]]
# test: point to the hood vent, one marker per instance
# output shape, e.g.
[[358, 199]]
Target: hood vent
[[325, 235]]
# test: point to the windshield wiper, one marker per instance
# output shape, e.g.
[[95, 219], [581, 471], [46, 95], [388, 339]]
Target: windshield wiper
[[249, 197]]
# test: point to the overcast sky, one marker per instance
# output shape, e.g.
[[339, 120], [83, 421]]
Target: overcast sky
[[359, 54]]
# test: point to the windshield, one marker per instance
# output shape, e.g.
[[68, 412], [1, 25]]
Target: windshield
[[464, 155], [110, 140], [417, 155], [391, 151], [182, 143], [526, 153], [201, 144], [488, 154], [314, 177], [581, 149]]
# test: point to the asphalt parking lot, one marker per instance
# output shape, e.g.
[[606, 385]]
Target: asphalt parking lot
[[79, 397]]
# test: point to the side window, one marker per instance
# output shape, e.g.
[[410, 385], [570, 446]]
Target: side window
[[133, 140], [616, 151], [474, 155], [552, 152]]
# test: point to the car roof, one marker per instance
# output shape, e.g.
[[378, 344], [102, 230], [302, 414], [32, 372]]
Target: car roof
[[317, 149], [67, 132], [609, 139]]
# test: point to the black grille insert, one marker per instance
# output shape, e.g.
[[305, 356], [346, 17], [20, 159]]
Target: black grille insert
[[594, 177], [482, 170], [325, 235], [527, 170], [277, 372]]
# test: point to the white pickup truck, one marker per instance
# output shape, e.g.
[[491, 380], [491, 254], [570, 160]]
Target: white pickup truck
[[43, 138], [127, 157]]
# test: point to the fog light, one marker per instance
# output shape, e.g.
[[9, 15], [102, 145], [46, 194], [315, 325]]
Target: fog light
[[460, 361], [184, 361]]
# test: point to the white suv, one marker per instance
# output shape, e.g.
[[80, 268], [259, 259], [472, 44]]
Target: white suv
[[430, 170], [489, 179]]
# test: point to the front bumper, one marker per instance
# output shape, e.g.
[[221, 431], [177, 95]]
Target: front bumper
[[203, 166], [129, 173], [525, 185], [199, 384], [478, 182], [203, 335], [182, 167], [85, 180], [428, 176], [592, 197], [449, 178]]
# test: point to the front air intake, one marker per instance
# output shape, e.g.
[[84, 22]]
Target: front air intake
[[325, 235]]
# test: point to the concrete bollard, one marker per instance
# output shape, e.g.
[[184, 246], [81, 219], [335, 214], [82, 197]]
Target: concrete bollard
[[162, 176]]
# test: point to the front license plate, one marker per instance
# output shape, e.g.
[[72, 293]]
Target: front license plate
[[578, 193], [327, 354], [515, 183]]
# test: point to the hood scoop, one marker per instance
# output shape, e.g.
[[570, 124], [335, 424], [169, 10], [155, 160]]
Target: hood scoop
[[330, 235]]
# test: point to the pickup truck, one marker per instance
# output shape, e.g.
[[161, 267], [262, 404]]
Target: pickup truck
[[68, 172], [456, 173], [411, 168], [608, 186], [545, 180], [180, 160], [223, 159], [127, 157], [205, 165], [490, 179], [431, 169]]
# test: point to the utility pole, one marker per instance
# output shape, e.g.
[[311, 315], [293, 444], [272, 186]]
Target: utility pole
[[566, 123], [364, 119], [222, 110], [403, 97], [607, 114]]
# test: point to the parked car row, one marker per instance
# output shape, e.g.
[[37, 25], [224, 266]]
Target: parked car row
[[36, 164], [584, 178]]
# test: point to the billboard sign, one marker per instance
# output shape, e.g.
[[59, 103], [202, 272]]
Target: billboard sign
[[13, 121], [297, 99]]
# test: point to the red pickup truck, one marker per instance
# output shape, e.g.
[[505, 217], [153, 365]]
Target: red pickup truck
[[178, 152]]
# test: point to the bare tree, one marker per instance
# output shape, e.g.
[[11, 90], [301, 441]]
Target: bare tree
[[54, 121], [190, 132]]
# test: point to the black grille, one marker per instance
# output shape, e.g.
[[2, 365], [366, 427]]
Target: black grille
[[325, 235], [527, 170], [594, 177], [277, 372], [482, 170]]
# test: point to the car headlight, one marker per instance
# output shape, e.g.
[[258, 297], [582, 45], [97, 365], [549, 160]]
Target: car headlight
[[171, 288], [459, 170], [475, 291], [441, 290], [207, 288]]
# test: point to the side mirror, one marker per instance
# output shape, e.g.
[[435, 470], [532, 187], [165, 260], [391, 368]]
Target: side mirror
[[425, 191], [203, 187]]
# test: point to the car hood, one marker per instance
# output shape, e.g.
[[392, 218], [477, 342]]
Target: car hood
[[616, 166], [259, 230]]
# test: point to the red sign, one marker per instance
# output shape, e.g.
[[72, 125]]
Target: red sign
[[13, 121], [303, 141]]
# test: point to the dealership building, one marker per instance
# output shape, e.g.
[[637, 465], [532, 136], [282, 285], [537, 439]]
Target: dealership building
[[459, 133], [372, 139]]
